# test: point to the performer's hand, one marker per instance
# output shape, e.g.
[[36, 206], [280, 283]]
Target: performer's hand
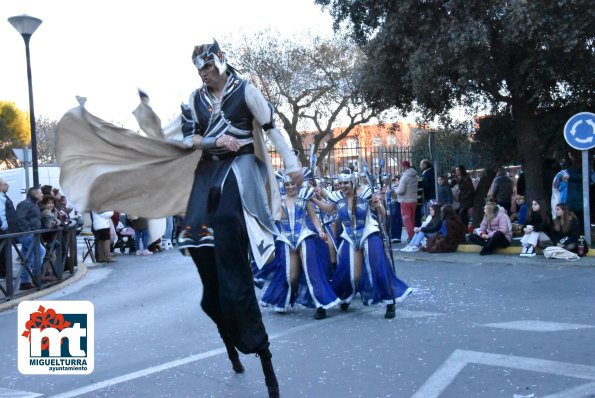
[[317, 191], [322, 235], [228, 142], [297, 177], [196, 138], [375, 201]]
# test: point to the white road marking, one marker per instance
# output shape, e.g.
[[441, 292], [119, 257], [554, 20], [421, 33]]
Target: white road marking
[[582, 391], [447, 372], [193, 358], [8, 393], [537, 326]]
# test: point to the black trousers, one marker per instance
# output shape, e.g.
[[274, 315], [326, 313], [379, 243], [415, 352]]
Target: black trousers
[[228, 292], [489, 246]]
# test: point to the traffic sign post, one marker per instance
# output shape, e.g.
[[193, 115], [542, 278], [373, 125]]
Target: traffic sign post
[[579, 133]]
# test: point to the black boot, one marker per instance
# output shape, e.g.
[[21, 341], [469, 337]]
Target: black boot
[[232, 353], [269, 373], [390, 311], [320, 313], [344, 306]]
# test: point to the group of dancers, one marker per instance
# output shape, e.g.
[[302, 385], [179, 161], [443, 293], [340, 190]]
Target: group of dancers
[[330, 247]]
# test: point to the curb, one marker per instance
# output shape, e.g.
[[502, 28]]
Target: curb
[[466, 248], [81, 271]]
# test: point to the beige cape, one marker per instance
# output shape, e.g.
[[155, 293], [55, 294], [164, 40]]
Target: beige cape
[[105, 167]]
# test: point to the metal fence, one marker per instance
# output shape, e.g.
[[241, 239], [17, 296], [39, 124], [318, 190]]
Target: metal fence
[[344, 155], [58, 263]]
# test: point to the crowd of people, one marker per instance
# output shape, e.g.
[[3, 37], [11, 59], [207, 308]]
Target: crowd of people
[[43, 208]]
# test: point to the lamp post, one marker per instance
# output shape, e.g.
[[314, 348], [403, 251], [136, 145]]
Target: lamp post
[[26, 25]]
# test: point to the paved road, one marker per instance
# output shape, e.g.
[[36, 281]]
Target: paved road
[[475, 327]]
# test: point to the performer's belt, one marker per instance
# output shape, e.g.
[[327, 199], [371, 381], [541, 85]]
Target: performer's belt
[[210, 157]]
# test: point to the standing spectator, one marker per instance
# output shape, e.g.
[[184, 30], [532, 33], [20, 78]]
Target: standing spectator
[[428, 184], [520, 184], [102, 230], [466, 193], [501, 189], [575, 188], [47, 190], [29, 219], [444, 195], [396, 220], [141, 229], [407, 197], [8, 223], [560, 187], [494, 231]]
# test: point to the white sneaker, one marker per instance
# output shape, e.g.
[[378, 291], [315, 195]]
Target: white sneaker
[[147, 252], [406, 249], [524, 251], [530, 251], [414, 249]]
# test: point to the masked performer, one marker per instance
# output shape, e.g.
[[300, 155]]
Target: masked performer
[[296, 257], [362, 265], [227, 212]]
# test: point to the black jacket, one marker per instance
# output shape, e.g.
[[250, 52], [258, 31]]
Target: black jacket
[[28, 215], [11, 217]]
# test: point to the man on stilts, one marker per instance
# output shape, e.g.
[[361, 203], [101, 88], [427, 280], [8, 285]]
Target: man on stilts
[[227, 213]]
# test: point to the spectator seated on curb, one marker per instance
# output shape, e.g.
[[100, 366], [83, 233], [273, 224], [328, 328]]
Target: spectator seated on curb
[[566, 232], [451, 233], [494, 231], [536, 229], [429, 227]]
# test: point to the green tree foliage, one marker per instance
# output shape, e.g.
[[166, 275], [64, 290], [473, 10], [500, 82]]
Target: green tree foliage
[[519, 57], [15, 131]]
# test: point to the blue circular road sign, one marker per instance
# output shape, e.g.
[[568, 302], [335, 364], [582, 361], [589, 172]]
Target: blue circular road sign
[[579, 131]]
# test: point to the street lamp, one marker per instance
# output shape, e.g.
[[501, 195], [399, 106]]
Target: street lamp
[[26, 25]]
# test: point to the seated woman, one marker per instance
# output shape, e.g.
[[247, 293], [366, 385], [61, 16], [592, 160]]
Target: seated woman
[[494, 231], [451, 233], [428, 228], [565, 232], [536, 229]]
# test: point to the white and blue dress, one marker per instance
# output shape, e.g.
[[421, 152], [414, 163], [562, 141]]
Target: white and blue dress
[[377, 281], [313, 290]]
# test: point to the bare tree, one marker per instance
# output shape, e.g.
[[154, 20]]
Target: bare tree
[[311, 83], [46, 140]]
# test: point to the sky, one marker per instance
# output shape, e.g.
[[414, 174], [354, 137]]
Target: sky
[[106, 50]]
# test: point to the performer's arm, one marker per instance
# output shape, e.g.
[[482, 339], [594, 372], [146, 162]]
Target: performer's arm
[[263, 113], [315, 220], [324, 206], [377, 205]]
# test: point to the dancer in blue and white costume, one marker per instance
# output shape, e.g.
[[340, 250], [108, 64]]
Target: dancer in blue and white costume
[[300, 274], [362, 265]]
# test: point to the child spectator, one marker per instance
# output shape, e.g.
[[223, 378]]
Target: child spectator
[[444, 195], [49, 218]]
